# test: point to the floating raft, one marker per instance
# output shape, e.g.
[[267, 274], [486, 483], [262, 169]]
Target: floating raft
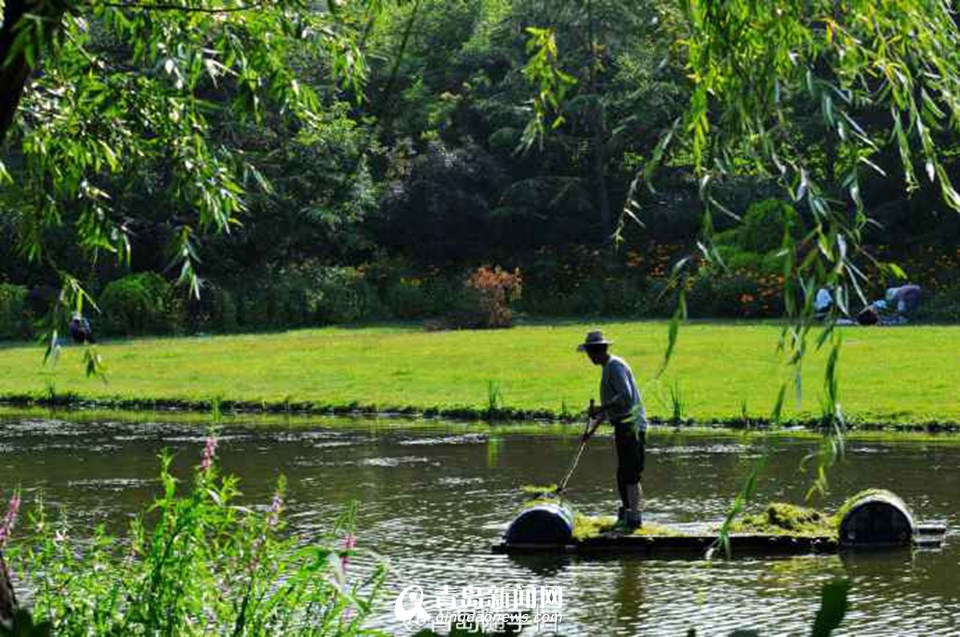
[[673, 545], [870, 520]]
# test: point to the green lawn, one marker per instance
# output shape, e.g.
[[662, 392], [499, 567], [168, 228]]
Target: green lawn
[[900, 374]]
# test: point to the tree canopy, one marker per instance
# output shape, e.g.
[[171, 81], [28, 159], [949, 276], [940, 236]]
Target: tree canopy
[[256, 142]]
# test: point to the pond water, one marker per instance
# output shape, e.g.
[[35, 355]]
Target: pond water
[[436, 497]]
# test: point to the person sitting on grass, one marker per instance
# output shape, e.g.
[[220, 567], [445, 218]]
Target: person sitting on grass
[[904, 300], [822, 303], [80, 329], [620, 405]]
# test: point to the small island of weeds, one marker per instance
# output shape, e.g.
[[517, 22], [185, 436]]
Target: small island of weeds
[[782, 518]]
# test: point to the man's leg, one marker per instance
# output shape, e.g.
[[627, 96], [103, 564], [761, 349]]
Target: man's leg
[[624, 490], [629, 468], [637, 449], [634, 496], [621, 483]]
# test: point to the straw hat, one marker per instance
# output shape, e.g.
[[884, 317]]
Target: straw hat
[[594, 337]]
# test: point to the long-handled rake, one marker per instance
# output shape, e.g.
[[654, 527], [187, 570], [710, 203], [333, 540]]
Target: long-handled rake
[[573, 465]]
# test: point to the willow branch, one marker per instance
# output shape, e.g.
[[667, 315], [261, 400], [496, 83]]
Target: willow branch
[[184, 8]]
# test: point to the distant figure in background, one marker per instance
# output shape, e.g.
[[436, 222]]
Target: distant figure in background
[[904, 300], [822, 303], [80, 330], [869, 315]]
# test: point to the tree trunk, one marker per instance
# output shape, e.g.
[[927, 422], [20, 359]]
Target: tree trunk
[[599, 169], [8, 600], [13, 71], [16, 69], [596, 123]]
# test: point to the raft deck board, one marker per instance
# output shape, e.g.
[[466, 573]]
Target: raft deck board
[[678, 544]]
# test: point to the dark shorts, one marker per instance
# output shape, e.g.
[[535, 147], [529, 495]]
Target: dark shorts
[[631, 446]]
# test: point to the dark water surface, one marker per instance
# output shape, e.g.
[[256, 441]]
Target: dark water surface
[[435, 499]]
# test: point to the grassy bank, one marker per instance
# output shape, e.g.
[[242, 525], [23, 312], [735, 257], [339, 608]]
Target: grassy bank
[[720, 371]]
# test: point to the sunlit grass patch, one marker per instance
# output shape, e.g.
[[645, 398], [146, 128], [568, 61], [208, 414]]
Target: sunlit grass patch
[[729, 372]]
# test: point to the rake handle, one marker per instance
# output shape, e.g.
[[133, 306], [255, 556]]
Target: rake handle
[[576, 458]]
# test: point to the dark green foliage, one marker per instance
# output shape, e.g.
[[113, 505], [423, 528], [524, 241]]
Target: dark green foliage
[[142, 303], [762, 228], [342, 295], [14, 314], [224, 315], [429, 169], [833, 607], [444, 205], [307, 295], [24, 626], [941, 306], [582, 281], [734, 294], [407, 299]]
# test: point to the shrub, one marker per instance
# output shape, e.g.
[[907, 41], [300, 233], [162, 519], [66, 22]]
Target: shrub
[[738, 260], [658, 299], [14, 315], [284, 301], [942, 306], [215, 310], [622, 295], [761, 229], [342, 295], [257, 305], [494, 289], [196, 563], [223, 316], [142, 303], [406, 299], [733, 295], [447, 294], [300, 296]]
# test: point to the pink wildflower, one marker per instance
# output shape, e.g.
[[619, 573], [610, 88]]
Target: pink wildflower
[[209, 451], [10, 519], [273, 518], [349, 542]]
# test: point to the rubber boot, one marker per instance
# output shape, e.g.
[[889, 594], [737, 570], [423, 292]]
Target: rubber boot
[[633, 519], [621, 512]]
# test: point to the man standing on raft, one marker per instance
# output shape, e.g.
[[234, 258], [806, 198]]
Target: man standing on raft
[[622, 407]]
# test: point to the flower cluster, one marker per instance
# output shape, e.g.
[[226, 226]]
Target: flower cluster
[[496, 288], [10, 519], [209, 452]]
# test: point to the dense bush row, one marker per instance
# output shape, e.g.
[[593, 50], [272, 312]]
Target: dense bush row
[[147, 304], [15, 317], [574, 281]]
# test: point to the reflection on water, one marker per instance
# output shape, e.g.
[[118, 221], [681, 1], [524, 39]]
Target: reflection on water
[[434, 500]]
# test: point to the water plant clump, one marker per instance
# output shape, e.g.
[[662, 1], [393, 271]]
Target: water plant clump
[[781, 518], [586, 527], [535, 489]]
